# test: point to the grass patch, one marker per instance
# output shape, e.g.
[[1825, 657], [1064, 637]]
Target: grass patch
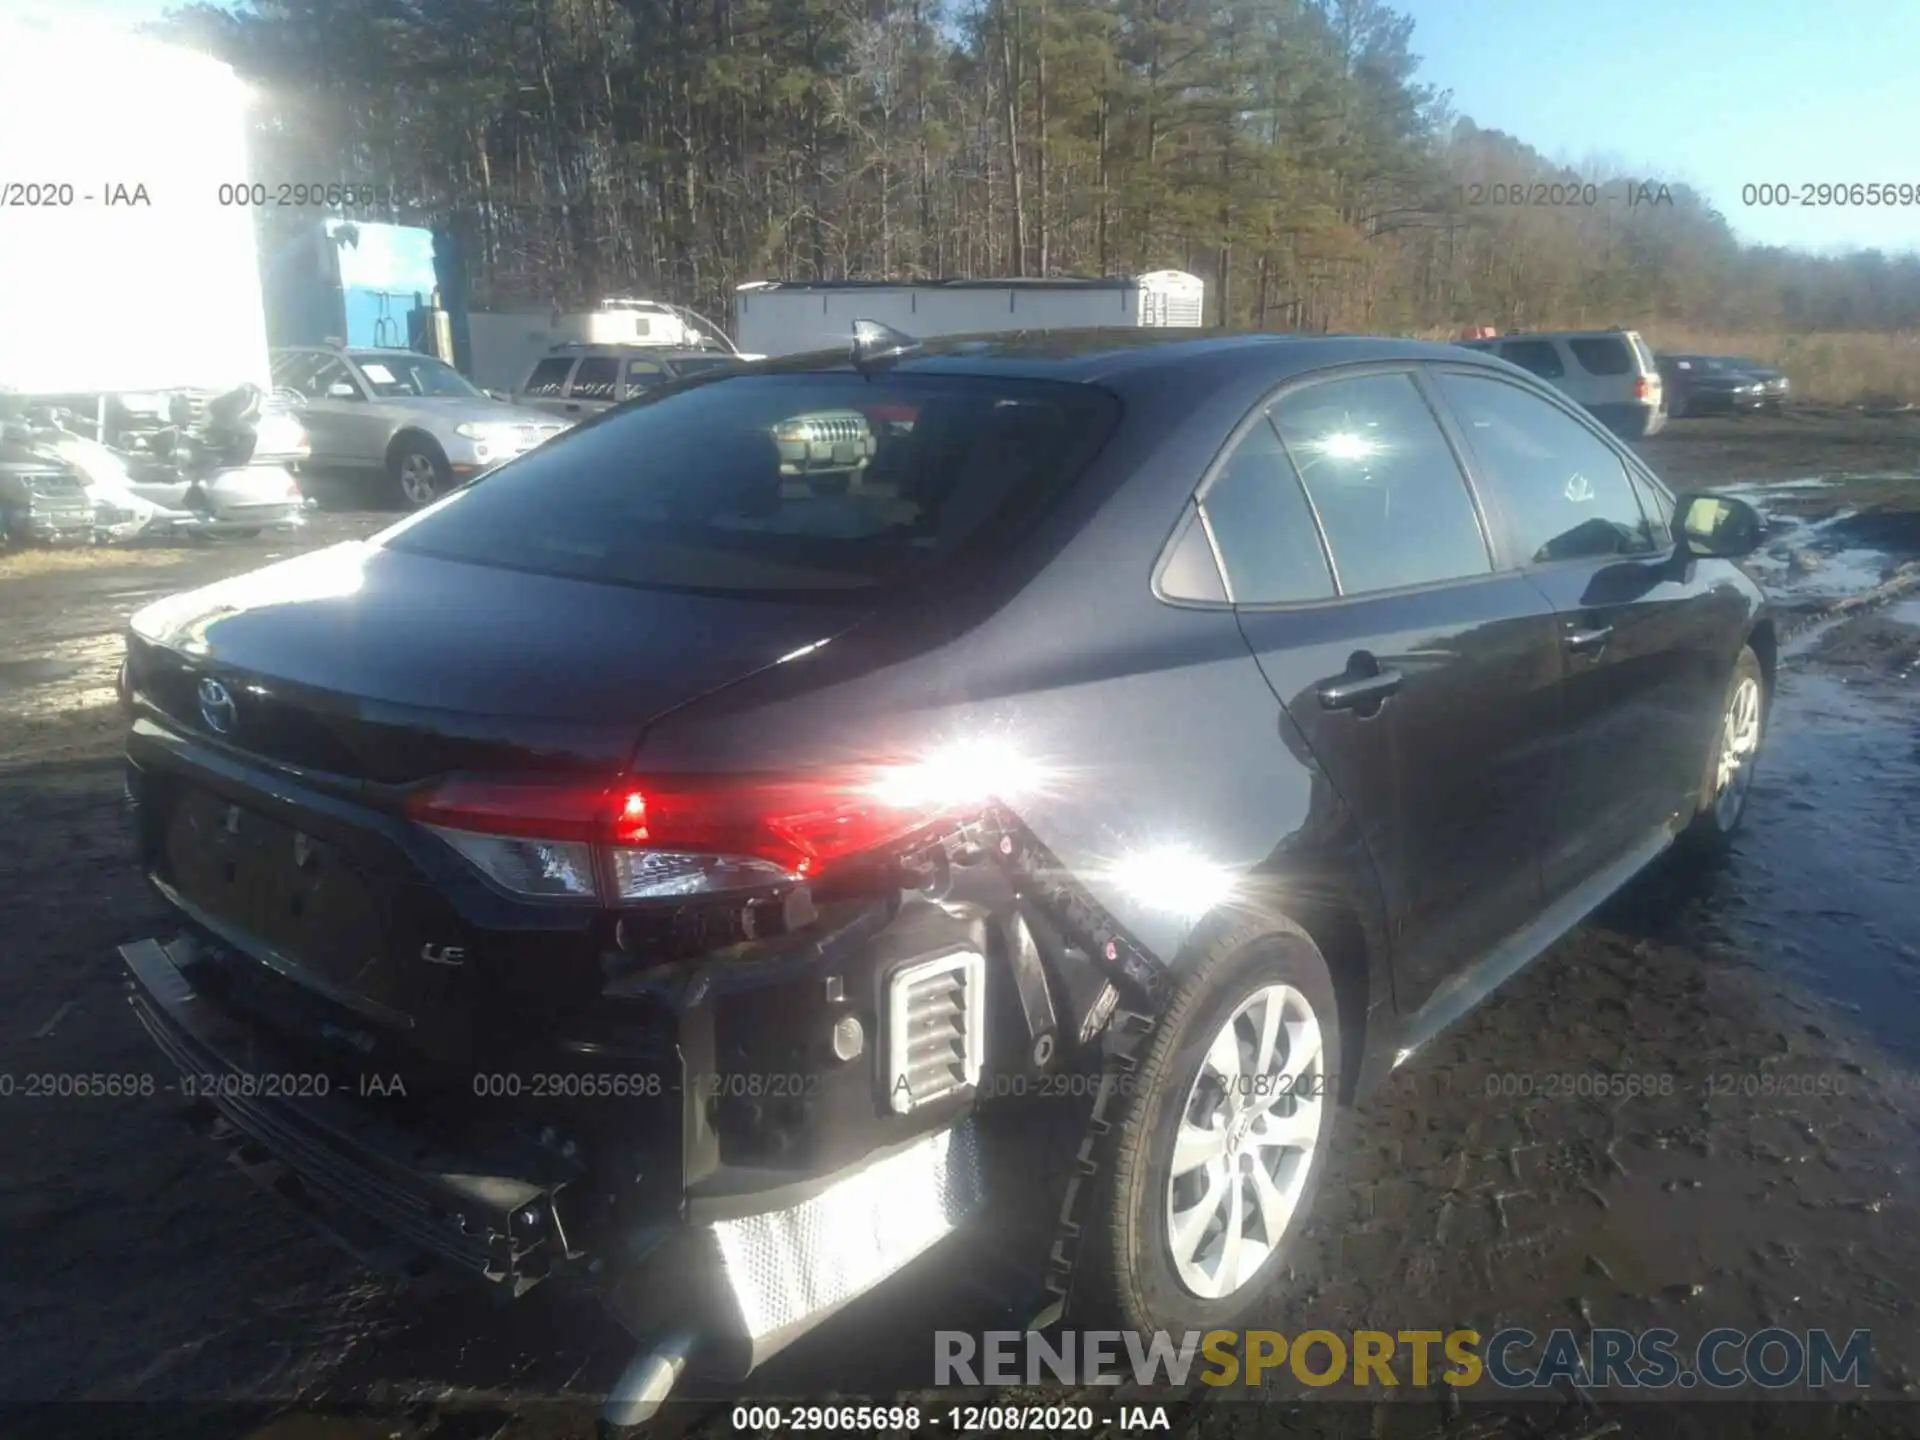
[[22, 564]]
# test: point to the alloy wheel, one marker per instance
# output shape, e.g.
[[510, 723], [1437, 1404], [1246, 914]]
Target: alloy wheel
[[1739, 742], [1246, 1141], [418, 482]]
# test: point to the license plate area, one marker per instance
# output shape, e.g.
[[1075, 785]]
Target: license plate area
[[301, 899]]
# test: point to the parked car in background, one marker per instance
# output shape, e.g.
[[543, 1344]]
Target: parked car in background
[[936, 726], [1610, 372], [404, 416], [1775, 387], [43, 501], [1709, 385], [576, 380]]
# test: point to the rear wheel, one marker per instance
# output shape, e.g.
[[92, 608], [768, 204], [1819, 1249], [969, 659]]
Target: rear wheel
[[1735, 750], [418, 471], [1220, 1148]]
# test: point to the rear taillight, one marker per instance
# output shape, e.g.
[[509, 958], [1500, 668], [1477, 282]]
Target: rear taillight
[[646, 838], [1645, 389]]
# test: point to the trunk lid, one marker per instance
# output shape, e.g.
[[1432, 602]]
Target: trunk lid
[[391, 667]]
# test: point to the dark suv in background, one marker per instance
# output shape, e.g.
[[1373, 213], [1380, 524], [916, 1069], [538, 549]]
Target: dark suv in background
[[725, 820], [1709, 385]]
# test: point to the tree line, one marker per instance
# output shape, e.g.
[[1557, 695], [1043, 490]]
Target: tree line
[[1286, 150]]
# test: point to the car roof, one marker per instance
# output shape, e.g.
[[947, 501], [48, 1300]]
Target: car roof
[[570, 349], [1095, 355]]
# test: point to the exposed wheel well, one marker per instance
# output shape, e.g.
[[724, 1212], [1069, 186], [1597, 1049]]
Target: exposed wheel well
[[1336, 930], [1766, 645], [415, 439]]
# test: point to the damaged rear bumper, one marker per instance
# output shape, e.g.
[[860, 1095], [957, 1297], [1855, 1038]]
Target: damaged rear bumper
[[745, 1276], [494, 1215]]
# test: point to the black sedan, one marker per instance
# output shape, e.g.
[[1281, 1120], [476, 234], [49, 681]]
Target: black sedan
[[666, 863], [1774, 385], [1709, 385]]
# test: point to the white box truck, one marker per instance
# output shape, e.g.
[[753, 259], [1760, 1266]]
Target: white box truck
[[789, 317]]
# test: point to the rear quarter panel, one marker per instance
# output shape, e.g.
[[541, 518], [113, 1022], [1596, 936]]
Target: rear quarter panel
[[1152, 721]]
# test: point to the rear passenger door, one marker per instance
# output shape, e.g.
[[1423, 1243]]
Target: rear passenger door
[[1541, 357], [644, 375], [1421, 677], [1645, 637], [594, 382]]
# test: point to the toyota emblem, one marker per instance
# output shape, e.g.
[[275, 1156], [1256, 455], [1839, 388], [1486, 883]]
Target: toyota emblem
[[217, 709]]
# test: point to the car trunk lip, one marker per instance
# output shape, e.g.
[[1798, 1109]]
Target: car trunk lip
[[371, 630]]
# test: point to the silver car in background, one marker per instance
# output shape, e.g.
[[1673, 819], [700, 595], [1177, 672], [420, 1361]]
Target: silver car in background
[[406, 416], [575, 380]]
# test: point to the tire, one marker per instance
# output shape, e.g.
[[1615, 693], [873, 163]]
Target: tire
[[1727, 779], [417, 472], [1132, 1276]]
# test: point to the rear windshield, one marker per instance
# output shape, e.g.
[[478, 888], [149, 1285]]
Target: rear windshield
[[790, 482]]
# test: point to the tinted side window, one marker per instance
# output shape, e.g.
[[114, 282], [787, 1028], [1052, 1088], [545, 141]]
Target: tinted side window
[[549, 376], [1539, 356], [328, 373], [1602, 357], [294, 371], [1561, 487], [1384, 483], [1263, 527], [595, 378]]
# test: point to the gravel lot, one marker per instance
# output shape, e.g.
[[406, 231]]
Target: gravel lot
[[140, 1269]]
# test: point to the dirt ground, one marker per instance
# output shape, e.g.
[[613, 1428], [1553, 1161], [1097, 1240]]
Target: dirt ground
[[1769, 1179]]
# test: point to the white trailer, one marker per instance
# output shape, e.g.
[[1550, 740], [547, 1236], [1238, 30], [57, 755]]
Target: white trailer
[[128, 261], [786, 317]]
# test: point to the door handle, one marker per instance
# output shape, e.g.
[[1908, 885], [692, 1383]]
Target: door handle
[[573, 409], [1581, 641], [1352, 691]]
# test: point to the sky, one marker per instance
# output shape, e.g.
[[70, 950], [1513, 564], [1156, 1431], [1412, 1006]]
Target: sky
[[1716, 94], [1719, 94]]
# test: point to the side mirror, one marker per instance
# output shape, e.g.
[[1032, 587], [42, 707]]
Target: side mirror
[[1716, 527], [341, 390]]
